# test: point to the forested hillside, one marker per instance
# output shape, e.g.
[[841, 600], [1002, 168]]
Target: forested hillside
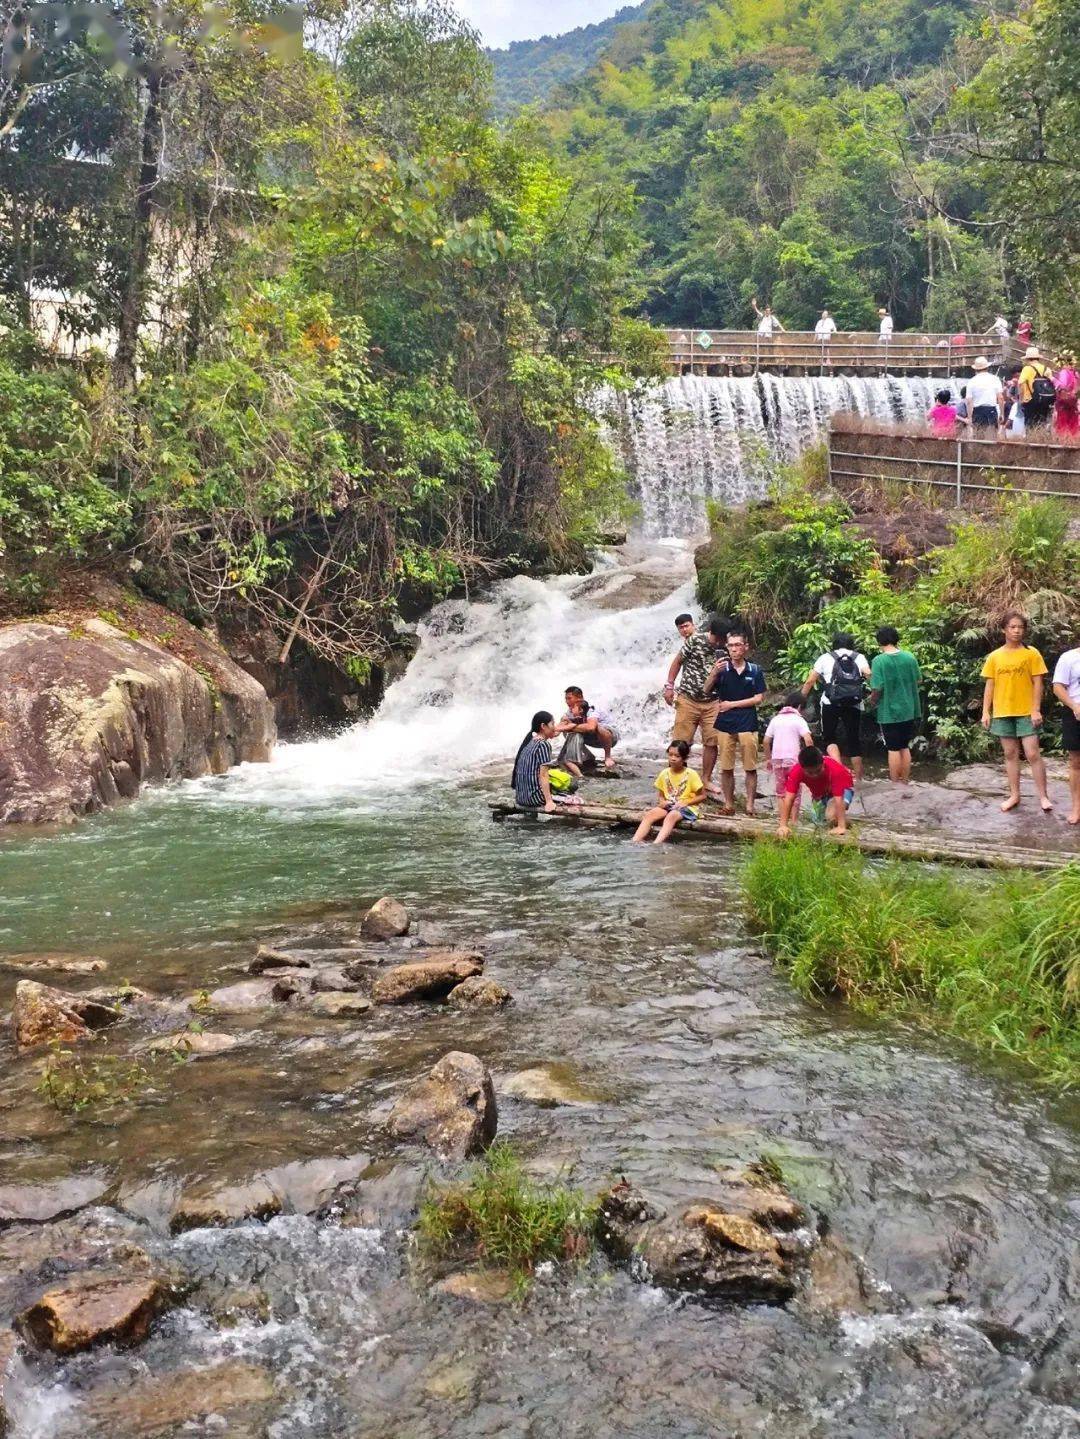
[[325, 339], [530, 70], [840, 153]]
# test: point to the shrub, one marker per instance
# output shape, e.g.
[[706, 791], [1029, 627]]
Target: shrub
[[994, 963], [500, 1218]]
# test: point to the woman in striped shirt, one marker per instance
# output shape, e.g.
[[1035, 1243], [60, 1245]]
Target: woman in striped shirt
[[532, 788]]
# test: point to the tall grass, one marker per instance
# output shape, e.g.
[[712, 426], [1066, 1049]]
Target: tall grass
[[500, 1218], [994, 960]]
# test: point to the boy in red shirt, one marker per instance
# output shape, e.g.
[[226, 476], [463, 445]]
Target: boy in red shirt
[[831, 786]]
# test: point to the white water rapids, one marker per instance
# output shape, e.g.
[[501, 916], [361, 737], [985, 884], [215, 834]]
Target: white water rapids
[[484, 665]]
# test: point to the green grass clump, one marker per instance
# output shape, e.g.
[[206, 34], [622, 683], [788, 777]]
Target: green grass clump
[[996, 961], [500, 1218]]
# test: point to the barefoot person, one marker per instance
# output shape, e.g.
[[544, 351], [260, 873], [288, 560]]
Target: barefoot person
[[895, 677], [831, 786], [695, 707], [1067, 689], [680, 788], [587, 727], [532, 787], [1012, 706], [739, 687]]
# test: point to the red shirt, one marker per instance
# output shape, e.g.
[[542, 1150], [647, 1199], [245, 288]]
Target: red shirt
[[833, 780]]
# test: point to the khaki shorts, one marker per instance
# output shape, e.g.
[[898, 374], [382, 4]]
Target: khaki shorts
[[746, 744], [690, 715]]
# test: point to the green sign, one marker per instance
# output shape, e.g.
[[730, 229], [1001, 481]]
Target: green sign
[[704, 339]]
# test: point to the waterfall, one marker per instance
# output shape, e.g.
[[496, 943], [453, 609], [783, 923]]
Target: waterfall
[[705, 437]]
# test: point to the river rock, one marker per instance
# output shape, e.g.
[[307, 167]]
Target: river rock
[[144, 1408], [479, 1286], [54, 963], [41, 1015], [266, 958], [452, 1110], [94, 1308], [211, 1206], [252, 994], [191, 1043], [8, 1345], [333, 980], [386, 919], [90, 713], [707, 1249], [478, 993], [430, 978], [338, 1004], [39, 1203], [548, 1085]]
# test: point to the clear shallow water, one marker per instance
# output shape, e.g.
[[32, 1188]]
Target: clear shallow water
[[954, 1182]]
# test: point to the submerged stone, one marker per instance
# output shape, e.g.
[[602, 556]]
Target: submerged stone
[[431, 978], [194, 1044], [54, 962], [452, 1110], [478, 993], [143, 1408], [479, 1286]]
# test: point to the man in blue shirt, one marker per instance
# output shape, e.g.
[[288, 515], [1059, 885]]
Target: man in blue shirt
[[739, 688]]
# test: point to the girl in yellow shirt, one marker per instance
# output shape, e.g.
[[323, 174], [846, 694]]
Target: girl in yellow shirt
[[1012, 706], [680, 788]]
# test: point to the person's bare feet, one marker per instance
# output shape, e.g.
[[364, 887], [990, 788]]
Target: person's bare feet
[[1047, 805], [727, 810], [1010, 803], [1074, 817], [751, 812]]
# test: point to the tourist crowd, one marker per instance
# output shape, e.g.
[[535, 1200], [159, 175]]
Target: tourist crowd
[[716, 691], [1031, 398]]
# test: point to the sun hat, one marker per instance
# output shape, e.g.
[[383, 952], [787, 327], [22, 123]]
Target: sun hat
[[1032, 353], [982, 363]]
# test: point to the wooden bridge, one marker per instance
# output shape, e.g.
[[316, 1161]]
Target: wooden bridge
[[858, 352]]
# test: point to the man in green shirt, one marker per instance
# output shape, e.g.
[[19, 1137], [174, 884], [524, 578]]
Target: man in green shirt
[[894, 680]]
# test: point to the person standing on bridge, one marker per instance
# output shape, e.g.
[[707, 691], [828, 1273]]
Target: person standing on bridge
[[768, 324], [825, 327], [885, 329], [984, 396], [1037, 392], [1066, 410]]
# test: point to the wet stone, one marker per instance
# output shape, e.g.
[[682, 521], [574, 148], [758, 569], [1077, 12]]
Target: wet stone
[[41, 1015], [386, 919], [209, 1207], [146, 1408], [94, 1308], [270, 959], [338, 1005], [457, 1381], [39, 1203], [479, 1286], [250, 995], [452, 1110], [478, 993], [193, 1044], [8, 1345], [548, 1085], [333, 979], [431, 978], [56, 963]]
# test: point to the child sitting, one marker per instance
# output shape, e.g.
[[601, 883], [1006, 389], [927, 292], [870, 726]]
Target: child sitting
[[831, 786], [680, 789], [786, 735]]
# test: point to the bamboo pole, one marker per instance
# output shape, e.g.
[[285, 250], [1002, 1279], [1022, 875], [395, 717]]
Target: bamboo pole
[[869, 840]]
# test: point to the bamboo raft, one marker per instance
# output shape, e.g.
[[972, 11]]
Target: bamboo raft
[[870, 839]]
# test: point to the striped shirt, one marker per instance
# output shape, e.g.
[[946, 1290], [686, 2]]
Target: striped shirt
[[534, 756]]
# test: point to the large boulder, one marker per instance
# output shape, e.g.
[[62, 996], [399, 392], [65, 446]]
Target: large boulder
[[210, 1206], [386, 919], [52, 1199], [431, 978], [739, 1247], [94, 1308], [42, 1014], [452, 1110], [89, 713]]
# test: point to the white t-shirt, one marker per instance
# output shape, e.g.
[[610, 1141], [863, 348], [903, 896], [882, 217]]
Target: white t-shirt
[[768, 325], [886, 326], [1001, 327], [824, 667], [1067, 673], [825, 327], [983, 389]]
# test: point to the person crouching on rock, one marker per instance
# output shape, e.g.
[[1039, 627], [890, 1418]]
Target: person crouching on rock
[[530, 779], [831, 786], [586, 728], [680, 789]]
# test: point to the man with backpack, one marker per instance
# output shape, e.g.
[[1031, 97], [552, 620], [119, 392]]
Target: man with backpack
[[842, 674], [1037, 391]]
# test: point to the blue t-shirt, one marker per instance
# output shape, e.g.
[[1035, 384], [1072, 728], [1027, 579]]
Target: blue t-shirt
[[732, 685]]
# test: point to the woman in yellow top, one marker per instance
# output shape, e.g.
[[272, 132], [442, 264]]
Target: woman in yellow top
[[1012, 706], [680, 789]]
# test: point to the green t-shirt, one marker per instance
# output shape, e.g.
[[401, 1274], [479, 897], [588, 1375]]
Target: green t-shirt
[[897, 676]]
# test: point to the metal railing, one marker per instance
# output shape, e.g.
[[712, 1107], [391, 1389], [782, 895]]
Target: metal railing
[[712, 350]]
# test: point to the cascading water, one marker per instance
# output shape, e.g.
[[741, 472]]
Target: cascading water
[[698, 438]]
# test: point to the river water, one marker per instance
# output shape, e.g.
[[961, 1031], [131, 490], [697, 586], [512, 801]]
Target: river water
[[952, 1182]]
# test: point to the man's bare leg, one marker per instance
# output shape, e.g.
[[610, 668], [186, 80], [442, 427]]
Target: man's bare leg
[[1074, 786], [751, 791]]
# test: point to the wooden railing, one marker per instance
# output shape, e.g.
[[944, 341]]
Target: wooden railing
[[705, 351], [969, 468]]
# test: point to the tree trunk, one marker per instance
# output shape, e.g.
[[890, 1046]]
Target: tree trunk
[[133, 297]]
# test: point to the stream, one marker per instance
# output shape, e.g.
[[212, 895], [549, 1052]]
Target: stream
[[953, 1182]]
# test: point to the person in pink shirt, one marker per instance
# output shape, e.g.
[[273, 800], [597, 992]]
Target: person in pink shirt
[[942, 416], [831, 785], [787, 733]]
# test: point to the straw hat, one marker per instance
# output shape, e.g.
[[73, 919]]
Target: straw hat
[[1032, 353], [982, 363], [883, 311]]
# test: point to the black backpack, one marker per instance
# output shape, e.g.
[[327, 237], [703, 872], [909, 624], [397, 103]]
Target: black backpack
[[1042, 388], [845, 683]]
